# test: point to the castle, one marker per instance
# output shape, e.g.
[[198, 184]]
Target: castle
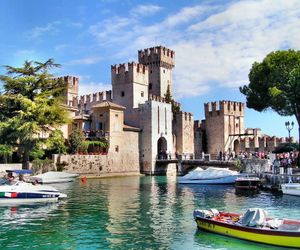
[[140, 126], [223, 131], [135, 116]]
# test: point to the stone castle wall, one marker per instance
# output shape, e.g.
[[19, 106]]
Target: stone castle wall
[[183, 128], [122, 157]]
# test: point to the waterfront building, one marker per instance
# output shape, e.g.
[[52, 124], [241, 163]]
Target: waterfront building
[[138, 93], [139, 124]]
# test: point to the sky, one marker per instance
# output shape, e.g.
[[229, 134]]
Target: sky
[[216, 43]]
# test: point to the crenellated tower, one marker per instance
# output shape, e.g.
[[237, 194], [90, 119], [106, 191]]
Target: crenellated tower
[[129, 84], [71, 83], [160, 61], [224, 125], [130, 88]]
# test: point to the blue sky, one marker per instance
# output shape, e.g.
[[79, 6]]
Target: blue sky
[[215, 42]]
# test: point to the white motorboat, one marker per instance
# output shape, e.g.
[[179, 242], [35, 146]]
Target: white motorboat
[[23, 192], [291, 188], [54, 177], [211, 175]]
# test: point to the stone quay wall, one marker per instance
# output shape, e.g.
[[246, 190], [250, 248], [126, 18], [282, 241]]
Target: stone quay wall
[[96, 164]]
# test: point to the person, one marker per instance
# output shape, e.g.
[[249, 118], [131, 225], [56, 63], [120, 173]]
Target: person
[[21, 177], [10, 177]]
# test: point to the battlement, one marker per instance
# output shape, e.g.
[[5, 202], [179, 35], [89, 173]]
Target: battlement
[[224, 108], [186, 116], [157, 55], [92, 99], [157, 98], [161, 99], [71, 81], [129, 73]]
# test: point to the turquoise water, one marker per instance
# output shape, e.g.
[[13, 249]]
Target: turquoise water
[[132, 213]]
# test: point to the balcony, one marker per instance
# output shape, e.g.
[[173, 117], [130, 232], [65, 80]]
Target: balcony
[[92, 134]]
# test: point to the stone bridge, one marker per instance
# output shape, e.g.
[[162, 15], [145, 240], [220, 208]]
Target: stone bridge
[[183, 166]]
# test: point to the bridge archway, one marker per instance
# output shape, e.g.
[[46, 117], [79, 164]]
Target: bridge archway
[[236, 147], [162, 148]]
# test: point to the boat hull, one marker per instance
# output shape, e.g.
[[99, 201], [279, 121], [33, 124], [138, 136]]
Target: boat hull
[[23, 192], [54, 177], [214, 181], [278, 238], [8, 201], [291, 189]]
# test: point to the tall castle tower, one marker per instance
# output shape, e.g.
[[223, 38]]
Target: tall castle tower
[[160, 61], [71, 83], [130, 88], [224, 123]]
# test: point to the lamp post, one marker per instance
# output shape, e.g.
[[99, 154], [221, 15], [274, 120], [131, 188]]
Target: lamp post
[[289, 126]]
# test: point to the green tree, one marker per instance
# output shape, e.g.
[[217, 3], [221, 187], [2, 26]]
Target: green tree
[[275, 84], [169, 99], [30, 105], [5, 152], [56, 142], [76, 141]]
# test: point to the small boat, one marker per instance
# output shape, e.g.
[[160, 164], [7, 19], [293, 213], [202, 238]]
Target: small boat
[[247, 183], [20, 192], [54, 177], [253, 226], [291, 188], [211, 175]]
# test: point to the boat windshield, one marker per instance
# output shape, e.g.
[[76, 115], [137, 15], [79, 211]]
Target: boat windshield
[[4, 182]]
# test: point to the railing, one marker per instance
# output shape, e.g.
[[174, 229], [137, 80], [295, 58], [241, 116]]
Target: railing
[[95, 134]]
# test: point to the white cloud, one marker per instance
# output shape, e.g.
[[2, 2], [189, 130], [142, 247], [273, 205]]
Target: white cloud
[[24, 53], [85, 61], [215, 45], [61, 47], [92, 87], [112, 31], [37, 32], [145, 10]]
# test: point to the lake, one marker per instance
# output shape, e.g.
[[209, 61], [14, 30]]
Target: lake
[[138, 212]]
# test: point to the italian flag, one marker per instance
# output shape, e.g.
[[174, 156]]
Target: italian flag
[[9, 194]]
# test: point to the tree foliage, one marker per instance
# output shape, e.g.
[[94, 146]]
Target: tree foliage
[[76, 141], [5, 152], [275, 84], [56, 142], [169, 99], [30, 106]]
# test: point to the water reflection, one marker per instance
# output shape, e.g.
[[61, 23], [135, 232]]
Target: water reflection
[[214, 241], [26, 213], [131, 213]]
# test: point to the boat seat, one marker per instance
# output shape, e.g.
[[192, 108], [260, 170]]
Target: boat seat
[[289, 227]]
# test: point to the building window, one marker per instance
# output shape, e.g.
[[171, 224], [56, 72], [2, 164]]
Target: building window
[[122, 93], [101, 115], [150, 71], [142, 94], [116, 115], [117, 148], [164, 71], [150, 85]]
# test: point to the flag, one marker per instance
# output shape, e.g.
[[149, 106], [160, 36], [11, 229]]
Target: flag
[[9, 194]]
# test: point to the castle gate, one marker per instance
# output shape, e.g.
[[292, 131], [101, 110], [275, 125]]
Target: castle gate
[[236, 147], [162, 147]]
